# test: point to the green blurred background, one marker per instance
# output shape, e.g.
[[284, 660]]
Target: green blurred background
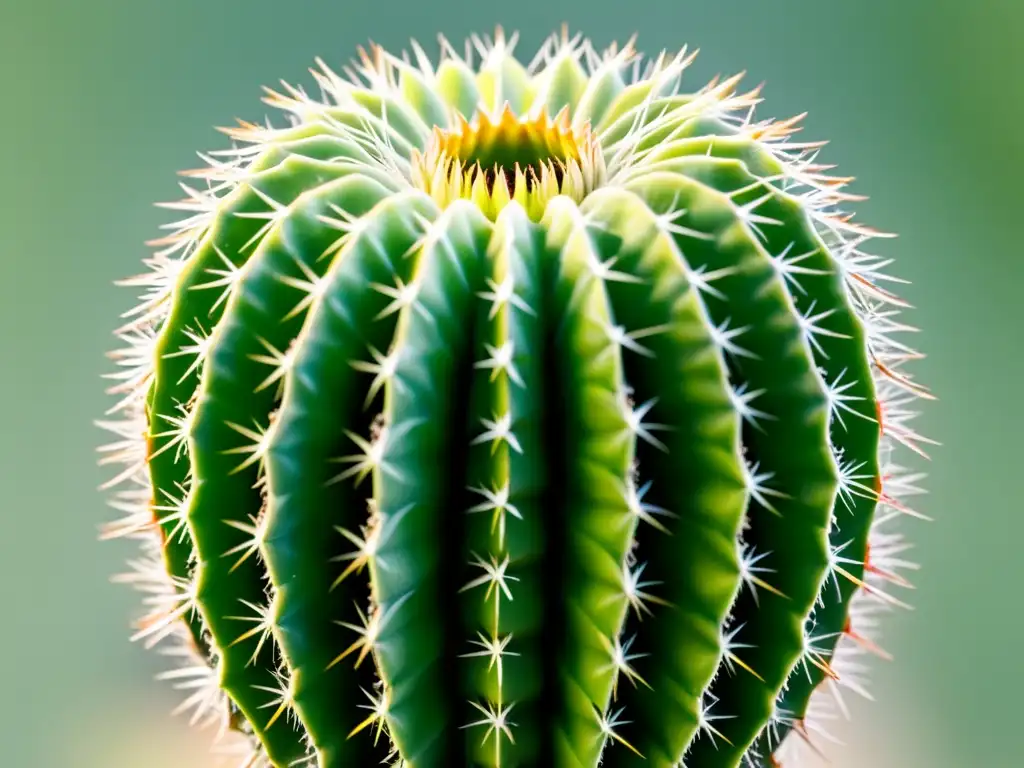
[[102, 101]]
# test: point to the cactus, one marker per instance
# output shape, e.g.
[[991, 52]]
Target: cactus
[[498, 415]]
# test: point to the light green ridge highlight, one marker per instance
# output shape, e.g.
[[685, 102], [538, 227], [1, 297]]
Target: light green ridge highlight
[[456, 84], [420, 94], [502, 80], [562, 84], [403, 127], [506, 517], [598, 459], [325, 397], [413, 491], [603, 89], [636, 107], [690, 475]]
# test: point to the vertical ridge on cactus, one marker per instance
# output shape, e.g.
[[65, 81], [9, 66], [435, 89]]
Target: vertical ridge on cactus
[[491, 414]]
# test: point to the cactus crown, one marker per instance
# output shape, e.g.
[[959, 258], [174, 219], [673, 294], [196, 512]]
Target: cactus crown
[[501, 415], [493, 161]]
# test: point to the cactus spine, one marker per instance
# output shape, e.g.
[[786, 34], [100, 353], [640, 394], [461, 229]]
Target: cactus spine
[[501, 415]]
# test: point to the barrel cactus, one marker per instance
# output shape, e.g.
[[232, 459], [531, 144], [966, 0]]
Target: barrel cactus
[[491, 414]]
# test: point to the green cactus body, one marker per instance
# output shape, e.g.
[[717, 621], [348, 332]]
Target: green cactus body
[[493, 415]]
